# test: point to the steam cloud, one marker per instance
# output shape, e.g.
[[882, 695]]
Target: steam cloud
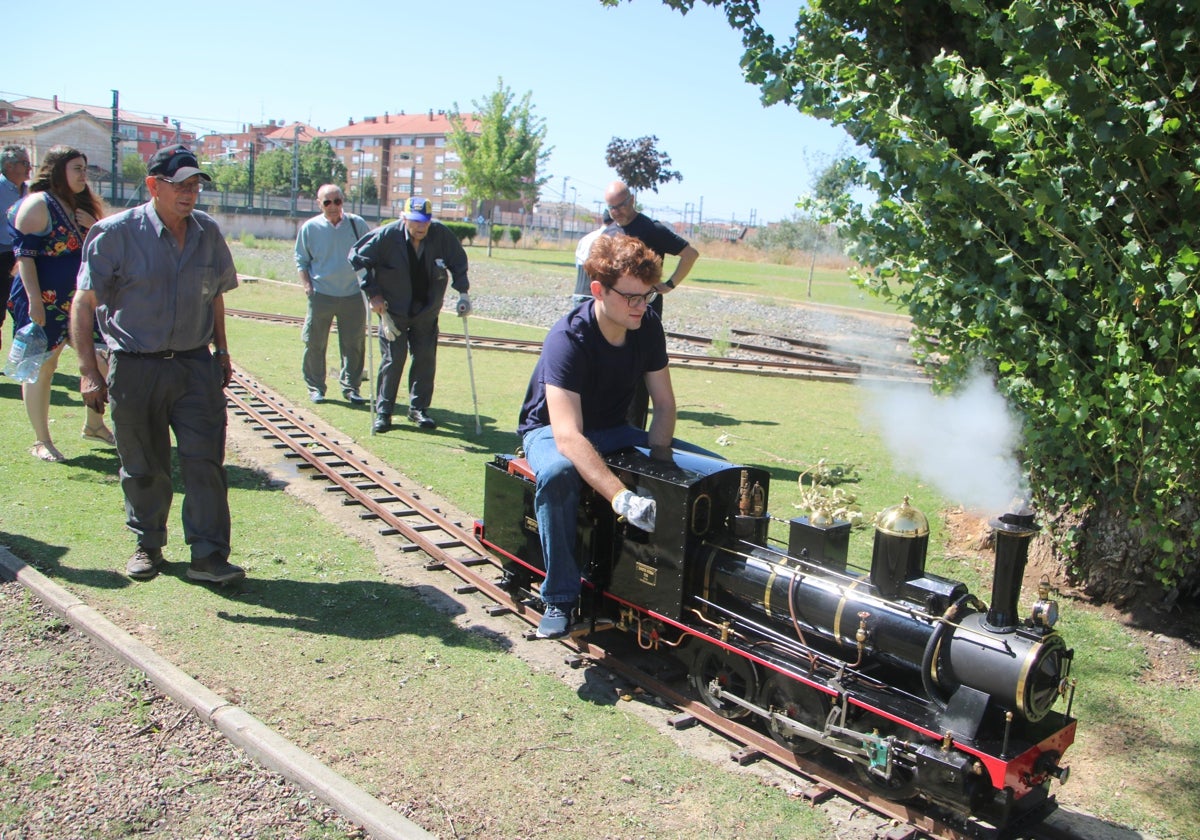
[[964, 445]]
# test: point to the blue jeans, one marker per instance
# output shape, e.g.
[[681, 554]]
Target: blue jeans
[[556, 501]]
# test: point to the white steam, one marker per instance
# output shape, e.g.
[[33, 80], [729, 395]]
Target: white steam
[[964, 444]]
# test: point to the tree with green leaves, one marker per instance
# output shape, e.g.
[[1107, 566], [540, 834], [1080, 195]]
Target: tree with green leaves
[[1037, 197], [228, 176], [640, 164], [500, 148], [273, 172], [133, 168], [319, 165]]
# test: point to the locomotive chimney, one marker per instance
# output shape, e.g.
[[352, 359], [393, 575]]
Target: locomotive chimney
[[1013, 531]]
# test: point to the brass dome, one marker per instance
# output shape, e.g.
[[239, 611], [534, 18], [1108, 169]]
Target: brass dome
[[902, 520]]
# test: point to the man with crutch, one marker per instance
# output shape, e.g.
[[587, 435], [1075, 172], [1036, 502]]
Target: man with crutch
[[408, 266]]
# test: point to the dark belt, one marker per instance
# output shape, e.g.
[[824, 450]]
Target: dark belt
[[196, 353]]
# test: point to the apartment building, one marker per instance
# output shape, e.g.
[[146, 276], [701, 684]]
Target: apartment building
[[406, 154], [267, 137]]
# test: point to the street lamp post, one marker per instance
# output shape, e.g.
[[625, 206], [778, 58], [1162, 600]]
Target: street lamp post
[[574, 198]]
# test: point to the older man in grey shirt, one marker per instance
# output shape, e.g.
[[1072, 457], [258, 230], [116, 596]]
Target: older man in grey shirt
[[155, 276]]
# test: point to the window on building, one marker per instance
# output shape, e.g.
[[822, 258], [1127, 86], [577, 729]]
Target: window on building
[[406, 141], [439, 141], [437, 190], [449, 205], [419, 159], [437, 176], [419, 142], [452, 157]]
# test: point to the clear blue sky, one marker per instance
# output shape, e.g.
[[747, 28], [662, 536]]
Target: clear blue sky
[[593, 72]]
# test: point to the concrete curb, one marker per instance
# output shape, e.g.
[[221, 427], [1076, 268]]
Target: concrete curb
[[266, 746]]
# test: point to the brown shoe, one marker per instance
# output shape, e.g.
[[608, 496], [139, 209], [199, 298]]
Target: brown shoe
[[214, 569], [145, 563]]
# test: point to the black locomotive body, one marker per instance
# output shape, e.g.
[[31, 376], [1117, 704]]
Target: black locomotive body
[[923, 688]]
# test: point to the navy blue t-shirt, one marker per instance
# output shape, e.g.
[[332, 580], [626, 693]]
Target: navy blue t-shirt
[[655, 235], [576, 357]]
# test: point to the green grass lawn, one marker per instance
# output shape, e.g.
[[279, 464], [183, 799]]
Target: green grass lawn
[[319, 611]]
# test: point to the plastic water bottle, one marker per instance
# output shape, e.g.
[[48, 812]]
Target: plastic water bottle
[[27, 353]]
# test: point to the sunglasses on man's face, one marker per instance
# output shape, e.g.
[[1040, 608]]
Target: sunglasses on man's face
[[329, 201]]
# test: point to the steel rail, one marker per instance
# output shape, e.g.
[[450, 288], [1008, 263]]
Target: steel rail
[[451, 547], [786, 363]]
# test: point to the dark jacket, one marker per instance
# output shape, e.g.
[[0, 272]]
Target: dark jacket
[[383, 255]]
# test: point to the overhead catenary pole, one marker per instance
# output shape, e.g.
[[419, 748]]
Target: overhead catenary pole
[[116, 140], [296, 167]]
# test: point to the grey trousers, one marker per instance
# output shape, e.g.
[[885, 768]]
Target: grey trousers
[[151, 398], [419, 338], [351, 315]]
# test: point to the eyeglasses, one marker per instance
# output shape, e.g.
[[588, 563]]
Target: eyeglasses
[[621, 204], [329, 201], [638, 300], [196, 186]]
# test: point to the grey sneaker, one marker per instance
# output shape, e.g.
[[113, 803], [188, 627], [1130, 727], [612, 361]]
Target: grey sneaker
[[145, 563], [215, 569], [554, 622]]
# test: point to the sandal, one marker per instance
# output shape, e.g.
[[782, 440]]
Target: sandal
[[100, 433], [46, 452]]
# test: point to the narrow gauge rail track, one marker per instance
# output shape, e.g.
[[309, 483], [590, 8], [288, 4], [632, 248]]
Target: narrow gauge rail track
[[818, 363], [420, 527]]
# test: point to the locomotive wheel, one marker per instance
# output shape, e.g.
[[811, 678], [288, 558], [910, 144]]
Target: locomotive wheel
[[798, 702], [731, 672]]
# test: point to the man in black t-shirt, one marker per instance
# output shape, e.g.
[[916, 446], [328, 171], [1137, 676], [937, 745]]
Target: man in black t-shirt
[[662, 241], [575, 409]]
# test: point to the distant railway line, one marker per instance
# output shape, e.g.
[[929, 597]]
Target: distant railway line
[[745, 352]]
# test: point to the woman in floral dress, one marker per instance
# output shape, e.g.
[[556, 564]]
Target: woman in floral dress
[[51, 223]]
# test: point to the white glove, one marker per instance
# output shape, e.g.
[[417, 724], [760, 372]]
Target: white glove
[[638, 510], [387, 326], [464, 306]]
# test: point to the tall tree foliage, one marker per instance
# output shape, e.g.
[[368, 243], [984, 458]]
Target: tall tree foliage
[[1037, 176], [500, 148], [318, 166], [640, 164]]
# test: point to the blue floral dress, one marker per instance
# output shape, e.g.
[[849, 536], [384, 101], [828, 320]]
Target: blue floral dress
[[57, 252]]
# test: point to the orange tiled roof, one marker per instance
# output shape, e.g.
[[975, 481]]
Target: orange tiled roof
[[34, 103], [388, 125]]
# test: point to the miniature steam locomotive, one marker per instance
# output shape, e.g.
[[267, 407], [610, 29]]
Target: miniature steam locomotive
[[927, 692]]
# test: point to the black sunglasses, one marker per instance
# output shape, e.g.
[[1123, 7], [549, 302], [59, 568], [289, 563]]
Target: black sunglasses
[[329, 201]]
